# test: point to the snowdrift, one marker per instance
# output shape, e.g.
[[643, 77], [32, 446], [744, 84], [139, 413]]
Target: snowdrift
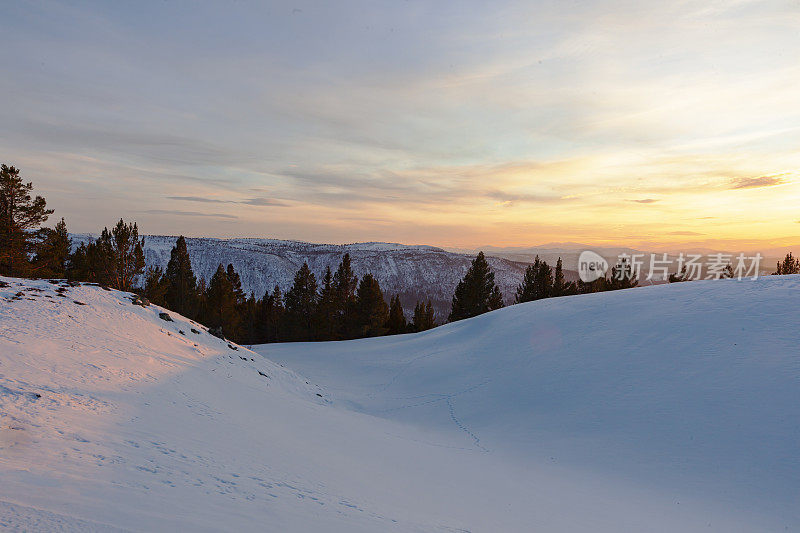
[[656, 409]]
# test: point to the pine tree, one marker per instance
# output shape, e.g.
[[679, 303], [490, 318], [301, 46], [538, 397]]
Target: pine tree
[[326, 308], [120, 255], [789, 265], [52, 252], [526, 291], [345, 284], [622, 277], [559, 283], [221, 303], [430, 316], [271, 315], [78, 264], [372, 308], [727, 272], [249, 329], [88, 263], [677, 278], [201, 311], [396, 323], [236, 284], [181, 294], [301, 302], [598, 285], [477, 293], [424, 317], [156, 286], [537, 282], [544, 281], [20, 217]]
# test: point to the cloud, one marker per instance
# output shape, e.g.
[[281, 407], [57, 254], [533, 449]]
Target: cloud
[[197, 199], [264, 202], [761, 181], [684, 233], [510, 198], [249, 201], [188, 213], [645, 201]]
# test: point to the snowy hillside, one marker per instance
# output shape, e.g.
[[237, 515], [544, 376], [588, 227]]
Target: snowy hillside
[[414, 272], [668, 408]]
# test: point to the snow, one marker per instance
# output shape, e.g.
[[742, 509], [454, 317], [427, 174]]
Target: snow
[[664, 408]]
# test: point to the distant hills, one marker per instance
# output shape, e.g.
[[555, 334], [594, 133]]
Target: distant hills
[[412, 271]]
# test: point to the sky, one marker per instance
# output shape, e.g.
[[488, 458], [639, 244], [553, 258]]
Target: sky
[[647, 124]]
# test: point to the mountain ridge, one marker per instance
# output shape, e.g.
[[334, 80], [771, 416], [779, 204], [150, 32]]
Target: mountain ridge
[[415, 272]]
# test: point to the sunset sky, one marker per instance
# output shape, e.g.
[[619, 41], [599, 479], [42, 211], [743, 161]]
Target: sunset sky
[[648, 124]]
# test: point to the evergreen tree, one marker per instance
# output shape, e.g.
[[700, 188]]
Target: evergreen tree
[[396, 323], [78, 264], [201, 310], [682, 276], [560, 287], [88, 263], [52, 252], [237, 328], [271, 315], [236, 284], [181, 293], [372, 309], [221, 308], [537, 282], [424, 317], [345, 284], [622, 277], [789, 265], [430, 316], [526, 291], [156, 286], [477, 293], [326, 308], [20, 217], [598, 285], [301, 303], [727, 272], [120, 255], [249, 313]]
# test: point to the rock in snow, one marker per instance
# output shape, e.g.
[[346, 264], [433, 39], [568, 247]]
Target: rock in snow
[[669, 408]]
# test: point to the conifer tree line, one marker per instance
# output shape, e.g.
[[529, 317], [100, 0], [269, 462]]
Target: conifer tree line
[[543, 281], [789, 265], [337, 306], [477, 292]]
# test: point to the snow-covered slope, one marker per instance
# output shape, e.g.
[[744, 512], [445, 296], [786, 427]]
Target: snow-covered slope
[[413, 272], [669, 408], [687, 393]]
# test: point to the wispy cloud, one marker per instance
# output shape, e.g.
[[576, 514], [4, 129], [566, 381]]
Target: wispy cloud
[[264, 202], [198, 199], [645, 201], [761, 181], [260, 201], [511, 198], [188, 213]]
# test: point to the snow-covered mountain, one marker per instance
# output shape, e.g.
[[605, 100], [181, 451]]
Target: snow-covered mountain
[[666, 408], [413, 272]]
